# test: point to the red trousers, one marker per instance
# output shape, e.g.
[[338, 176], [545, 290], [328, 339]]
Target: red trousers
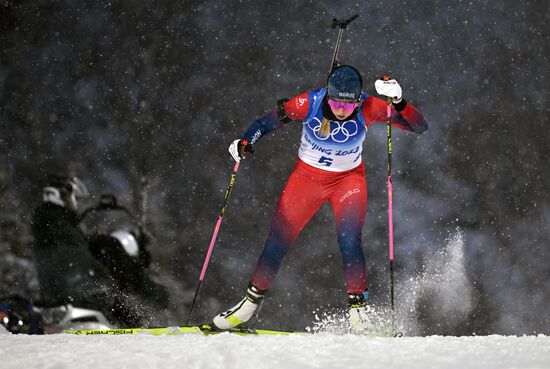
[[306, 190]]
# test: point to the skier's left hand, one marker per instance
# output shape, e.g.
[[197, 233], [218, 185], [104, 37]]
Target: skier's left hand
[[389, 88]]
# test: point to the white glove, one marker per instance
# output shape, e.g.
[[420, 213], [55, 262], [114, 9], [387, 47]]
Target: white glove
[[389, 88], [234, 150]]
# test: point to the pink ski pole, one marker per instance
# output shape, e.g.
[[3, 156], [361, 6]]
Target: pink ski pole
[[213, 240], [390, 196]]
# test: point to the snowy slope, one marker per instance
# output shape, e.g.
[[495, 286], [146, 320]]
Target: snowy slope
[[298, 351]]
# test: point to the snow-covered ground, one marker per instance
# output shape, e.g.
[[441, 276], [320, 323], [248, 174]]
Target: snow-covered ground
[[297, 351], [327, 349]]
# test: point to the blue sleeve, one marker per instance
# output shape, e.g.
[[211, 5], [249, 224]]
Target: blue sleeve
[[262, 126]]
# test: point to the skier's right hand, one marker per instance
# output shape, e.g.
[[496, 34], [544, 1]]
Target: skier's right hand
[[240, 148]]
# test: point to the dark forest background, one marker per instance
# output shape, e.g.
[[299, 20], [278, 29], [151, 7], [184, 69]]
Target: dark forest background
[[142, 98]]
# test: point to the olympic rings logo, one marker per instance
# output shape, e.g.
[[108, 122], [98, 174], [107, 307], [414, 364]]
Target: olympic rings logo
[[340, 132]]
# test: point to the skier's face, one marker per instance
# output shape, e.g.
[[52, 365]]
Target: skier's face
[[342, 109]]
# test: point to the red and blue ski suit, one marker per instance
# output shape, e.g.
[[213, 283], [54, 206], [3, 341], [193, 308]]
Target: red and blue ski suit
[[328, 169]]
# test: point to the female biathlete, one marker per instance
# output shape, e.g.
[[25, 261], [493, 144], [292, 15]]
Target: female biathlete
[[329, 168]]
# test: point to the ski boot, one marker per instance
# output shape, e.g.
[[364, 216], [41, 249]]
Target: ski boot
[[242, 312], [358, 312]]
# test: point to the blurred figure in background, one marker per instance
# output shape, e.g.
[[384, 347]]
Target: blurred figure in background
[[105, 271], [67, 271]]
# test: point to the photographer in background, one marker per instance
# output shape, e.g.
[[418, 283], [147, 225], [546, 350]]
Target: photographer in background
[[67, 271]]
